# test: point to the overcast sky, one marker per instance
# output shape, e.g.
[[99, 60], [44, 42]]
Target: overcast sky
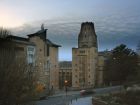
[[116, 21]]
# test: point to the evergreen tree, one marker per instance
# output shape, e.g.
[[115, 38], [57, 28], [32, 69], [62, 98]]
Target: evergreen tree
[[122, 66]]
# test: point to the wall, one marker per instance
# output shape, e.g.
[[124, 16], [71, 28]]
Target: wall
[[54, 70], [84, 67], [41, 59], [65, 73]]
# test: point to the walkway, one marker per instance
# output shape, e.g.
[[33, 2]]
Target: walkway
[[82, 101]]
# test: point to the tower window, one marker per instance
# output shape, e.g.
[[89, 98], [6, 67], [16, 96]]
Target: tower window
[[88, 28], [82, 51], [48, 50], [85, 28], [85, 32]]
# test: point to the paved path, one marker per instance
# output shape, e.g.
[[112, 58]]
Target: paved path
[[82, 101], [63, 93], [61, 99], [69, 100]]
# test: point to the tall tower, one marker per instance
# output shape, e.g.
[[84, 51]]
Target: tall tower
[[87, 37], [85, 57]]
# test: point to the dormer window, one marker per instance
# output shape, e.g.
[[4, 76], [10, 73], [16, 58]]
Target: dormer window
[[85, 28]]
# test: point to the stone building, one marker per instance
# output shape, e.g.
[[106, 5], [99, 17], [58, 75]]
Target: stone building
[[40, 52], [17, 49], [46, 59], [85, 58], [53, 64], [65, 73], [102, 58], [100, 71], [25, 49]]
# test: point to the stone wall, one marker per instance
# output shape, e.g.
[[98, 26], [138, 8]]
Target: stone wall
[[84, 67], [54, 70]]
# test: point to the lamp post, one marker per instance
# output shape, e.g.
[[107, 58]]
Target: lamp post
[[66, 86]]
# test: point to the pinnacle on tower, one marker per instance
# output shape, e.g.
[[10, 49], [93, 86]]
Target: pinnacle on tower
[[87, 37]]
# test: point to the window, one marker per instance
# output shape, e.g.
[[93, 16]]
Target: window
[[45, 66], [48, 65], [30, 58], [85, 29], [82, 51], [48, 50], [80, 80], [31, 54], [30, 49]]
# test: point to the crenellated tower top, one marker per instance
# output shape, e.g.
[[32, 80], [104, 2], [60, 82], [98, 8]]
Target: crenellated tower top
[[87, 37]]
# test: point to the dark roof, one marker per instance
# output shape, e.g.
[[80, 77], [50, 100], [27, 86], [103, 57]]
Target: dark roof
[[105, 54], [42, 34], [65, 64], [41, 31], [20, 39], [52, 44], [17, 38], [38, 33]]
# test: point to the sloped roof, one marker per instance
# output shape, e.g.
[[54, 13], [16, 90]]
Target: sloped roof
[[51, 43], [65, 64], [38, 32], [20, 39]]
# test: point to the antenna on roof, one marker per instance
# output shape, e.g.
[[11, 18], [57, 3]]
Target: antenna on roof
[[42, 26]]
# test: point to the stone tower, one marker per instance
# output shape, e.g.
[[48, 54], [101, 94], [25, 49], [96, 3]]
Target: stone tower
[[85, 58], [87, 37]]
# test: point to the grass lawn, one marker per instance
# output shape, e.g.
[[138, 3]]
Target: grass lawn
[[123, 98]]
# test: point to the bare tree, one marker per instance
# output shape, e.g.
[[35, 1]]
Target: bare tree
[[17, 78], [4, 33]]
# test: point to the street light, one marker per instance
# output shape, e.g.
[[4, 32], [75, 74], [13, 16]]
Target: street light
[[66, 81], [66, 86]]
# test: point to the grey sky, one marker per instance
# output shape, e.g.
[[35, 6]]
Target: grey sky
[[116, 21]]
